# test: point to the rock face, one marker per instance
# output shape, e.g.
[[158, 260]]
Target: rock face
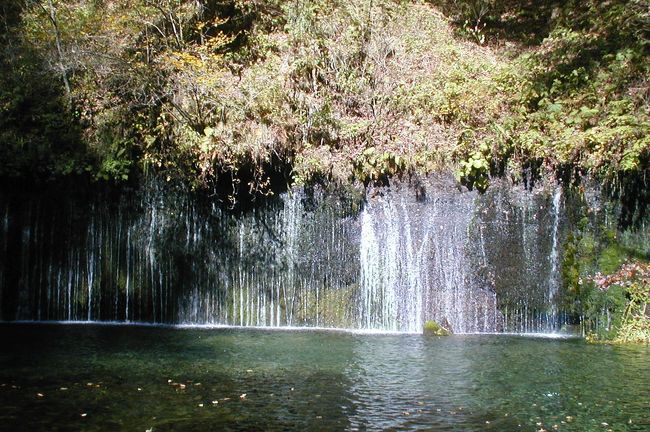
[[432, 328]]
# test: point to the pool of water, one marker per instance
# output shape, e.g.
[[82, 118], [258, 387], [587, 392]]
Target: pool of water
[[109, 378]]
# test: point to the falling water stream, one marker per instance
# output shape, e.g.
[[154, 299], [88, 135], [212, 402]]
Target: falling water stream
[[402, 256], [554, 256]]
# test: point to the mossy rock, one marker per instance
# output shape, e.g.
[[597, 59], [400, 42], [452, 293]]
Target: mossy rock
[[432, 328]]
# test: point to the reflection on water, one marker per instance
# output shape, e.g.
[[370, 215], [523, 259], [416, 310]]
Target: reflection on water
[[87, 377]]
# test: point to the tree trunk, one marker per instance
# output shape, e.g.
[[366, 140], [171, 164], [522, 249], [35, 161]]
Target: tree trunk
[[59, 49]]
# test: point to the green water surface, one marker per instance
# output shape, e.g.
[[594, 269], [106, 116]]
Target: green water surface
[[131, 378]]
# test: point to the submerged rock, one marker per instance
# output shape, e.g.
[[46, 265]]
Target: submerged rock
[[432, 328]]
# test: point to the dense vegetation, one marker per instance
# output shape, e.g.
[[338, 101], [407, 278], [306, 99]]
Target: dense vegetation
[[250, 97], [324, 90], [606, 277], [238, 91]]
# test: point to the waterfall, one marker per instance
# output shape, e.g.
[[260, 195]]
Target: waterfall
[[554, 256], [415, 265], [401, 257]]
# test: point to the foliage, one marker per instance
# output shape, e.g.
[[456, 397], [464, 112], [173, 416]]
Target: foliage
[[388, 95], [432, 328], [34, 137], [605, 277], [583, 95], [475, 169], [212, 90], [489, 21], [374, 168], [244, 96], [634, 279]]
